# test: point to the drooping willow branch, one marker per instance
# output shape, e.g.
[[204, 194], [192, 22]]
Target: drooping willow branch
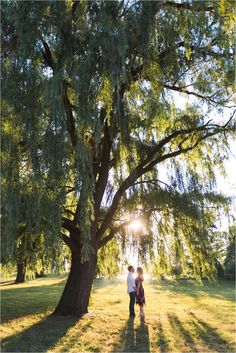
[[153, 158]]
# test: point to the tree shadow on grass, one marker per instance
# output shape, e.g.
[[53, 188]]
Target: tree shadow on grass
[[162, 341], [40, 337], [179, 329], [203, 334], [36, 299], [210, 336], [133, 339], [71, 341], [192, 289], [7, 283], [26, 301], [142, 337]]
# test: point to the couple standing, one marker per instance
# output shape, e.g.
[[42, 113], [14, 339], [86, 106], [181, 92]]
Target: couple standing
[[135, 290]]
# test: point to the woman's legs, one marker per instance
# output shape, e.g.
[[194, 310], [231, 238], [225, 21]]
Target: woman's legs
[[141, 311]]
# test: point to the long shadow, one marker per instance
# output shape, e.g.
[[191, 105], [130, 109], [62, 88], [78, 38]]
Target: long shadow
[[97, 284], [211, 337], [142, 343], [36, 299], [133, 339], [29, 300], [6, 283], [14, 287], [177, 327], [194, 290], [71, 343], [127, 338], [40, 337], [162, 341]]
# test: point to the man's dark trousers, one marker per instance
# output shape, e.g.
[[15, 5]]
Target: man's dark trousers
[[131, 303]]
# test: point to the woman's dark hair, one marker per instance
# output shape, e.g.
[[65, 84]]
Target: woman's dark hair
[[130, 268]]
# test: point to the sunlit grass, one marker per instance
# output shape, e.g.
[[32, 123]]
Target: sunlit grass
[[180, 317]]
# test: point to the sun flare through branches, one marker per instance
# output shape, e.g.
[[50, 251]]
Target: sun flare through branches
[[136, 225]]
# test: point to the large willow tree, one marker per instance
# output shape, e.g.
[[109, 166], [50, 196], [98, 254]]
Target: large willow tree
[[90, 87]]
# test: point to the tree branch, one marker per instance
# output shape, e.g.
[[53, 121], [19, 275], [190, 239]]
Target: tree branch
[[66, 240], [103, 170], [188, 6], [182, 90], [115, 230], [68, 224], [149, 162], [178, 152], [68, 211], [47, 56], [126, 10], [69, 115], [48, 59], [153, 181]]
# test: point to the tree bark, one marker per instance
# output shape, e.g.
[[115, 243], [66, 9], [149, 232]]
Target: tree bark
[[21, 270], [75, 297]]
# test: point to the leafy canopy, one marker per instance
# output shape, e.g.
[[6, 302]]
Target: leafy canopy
[[90, 87]]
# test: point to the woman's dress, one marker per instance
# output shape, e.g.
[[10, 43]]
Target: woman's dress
[[140, 297]]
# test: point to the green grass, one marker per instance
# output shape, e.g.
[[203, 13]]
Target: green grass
[[180, 317]]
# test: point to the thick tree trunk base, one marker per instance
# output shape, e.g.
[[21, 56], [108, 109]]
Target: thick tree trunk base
[[21, 270], [19, 280], [75, 297], [69, 311]]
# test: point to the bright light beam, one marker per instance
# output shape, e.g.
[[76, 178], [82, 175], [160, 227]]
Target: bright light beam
[[135, 225]]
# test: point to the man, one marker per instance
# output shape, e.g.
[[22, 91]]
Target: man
[[131, 290]]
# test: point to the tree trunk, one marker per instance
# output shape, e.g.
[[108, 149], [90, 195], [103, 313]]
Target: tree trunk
[[21, 270], [75, 297]]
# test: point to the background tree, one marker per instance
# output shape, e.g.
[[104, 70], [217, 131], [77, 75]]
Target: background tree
[[92, 86], [229, 263], [25, 206]]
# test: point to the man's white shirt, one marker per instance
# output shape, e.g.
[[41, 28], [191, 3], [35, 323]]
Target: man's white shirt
[[130, 282]]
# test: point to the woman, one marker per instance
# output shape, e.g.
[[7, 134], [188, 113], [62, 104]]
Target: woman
[[140, 298]]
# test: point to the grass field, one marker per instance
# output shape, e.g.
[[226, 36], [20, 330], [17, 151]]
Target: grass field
[[180, 317]]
